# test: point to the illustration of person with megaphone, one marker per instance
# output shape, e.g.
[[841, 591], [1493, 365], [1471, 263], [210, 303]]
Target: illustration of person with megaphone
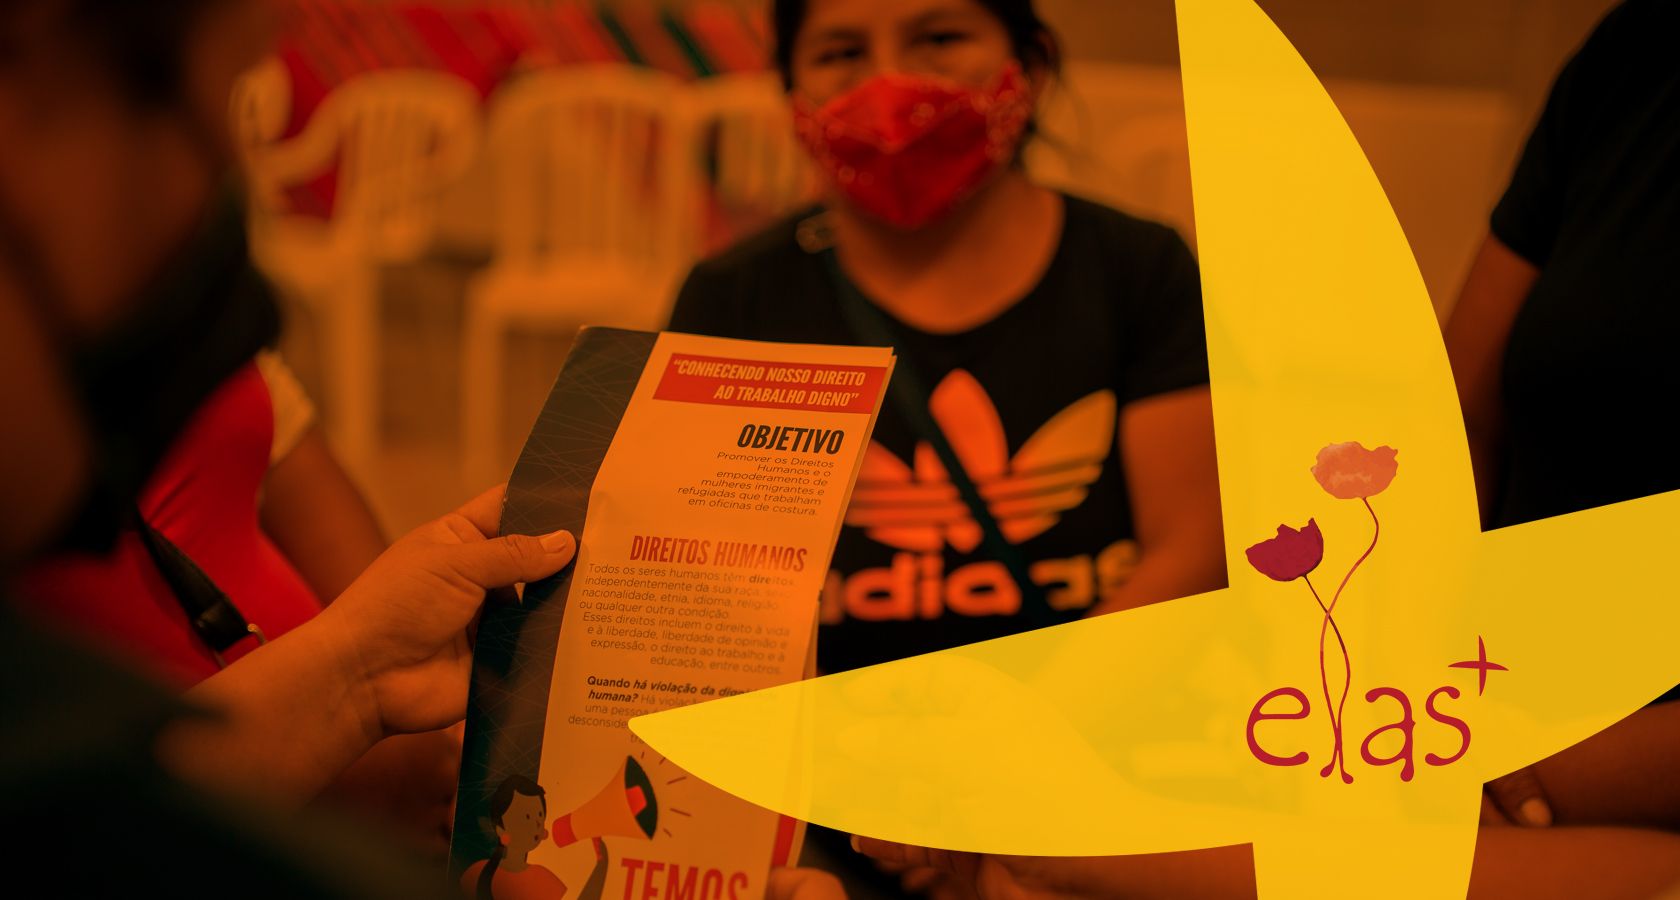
[[625, 807], [517, 811]]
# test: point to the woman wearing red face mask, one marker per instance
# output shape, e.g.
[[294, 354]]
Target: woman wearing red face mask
[[1046, 450], [1055, 346]]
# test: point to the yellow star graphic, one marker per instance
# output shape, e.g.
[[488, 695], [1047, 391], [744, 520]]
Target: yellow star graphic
[[1137, 732]]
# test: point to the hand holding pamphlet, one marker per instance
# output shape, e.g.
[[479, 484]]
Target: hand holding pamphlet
[[706, 480]]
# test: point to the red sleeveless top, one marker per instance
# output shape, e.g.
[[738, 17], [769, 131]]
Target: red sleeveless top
[[203, 497]]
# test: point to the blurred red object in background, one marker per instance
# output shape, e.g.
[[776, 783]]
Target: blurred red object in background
[[327, 42]]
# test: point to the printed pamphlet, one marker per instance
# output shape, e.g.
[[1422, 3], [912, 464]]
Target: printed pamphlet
[[706, 480]]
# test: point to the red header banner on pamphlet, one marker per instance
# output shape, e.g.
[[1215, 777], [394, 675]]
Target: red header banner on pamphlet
[[771, 385]]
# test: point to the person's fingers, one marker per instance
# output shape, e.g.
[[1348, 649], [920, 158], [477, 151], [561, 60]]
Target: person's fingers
[[502, 561], [803, 884], [1522, 798], [949, 887], [962, 865], [1492, 816], [918, 880], [485, 510], [887, 851]]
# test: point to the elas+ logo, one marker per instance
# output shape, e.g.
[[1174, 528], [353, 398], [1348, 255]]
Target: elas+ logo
[[1349, 472]]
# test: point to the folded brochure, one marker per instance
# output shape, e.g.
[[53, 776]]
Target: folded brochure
[[706, 480]]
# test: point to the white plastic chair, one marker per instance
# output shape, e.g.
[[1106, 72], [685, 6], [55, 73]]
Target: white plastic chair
[[758, 163], [1116, 134], [594, 205], [1151, 155], [398, 138], [261, 105]]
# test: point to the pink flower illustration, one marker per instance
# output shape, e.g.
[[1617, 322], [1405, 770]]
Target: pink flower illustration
[[1348, 472], [1291, 554], [1351, 472]]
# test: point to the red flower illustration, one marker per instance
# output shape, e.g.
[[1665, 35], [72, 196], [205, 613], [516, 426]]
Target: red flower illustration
[[1351, 472], [1291, 554], [1348, 472]]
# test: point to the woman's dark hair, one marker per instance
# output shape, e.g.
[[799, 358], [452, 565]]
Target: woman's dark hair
[[1032, 41], [141, 44], [499, 805]]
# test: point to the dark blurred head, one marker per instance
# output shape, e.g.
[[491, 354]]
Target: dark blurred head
[[113, 141], [140, 45], [816, 39]]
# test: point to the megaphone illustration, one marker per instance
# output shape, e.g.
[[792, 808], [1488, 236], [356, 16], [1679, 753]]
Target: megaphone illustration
[[625, 807]]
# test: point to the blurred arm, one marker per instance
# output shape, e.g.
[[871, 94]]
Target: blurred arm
[[391, 656], [315, 515], [1627, 774], [407, 782], [1510, 864], [1166, 446], [1573, 864], [1220, 873], [1476, 334]]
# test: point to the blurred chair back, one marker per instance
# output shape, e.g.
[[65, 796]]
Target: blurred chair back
[[1149, 157], [757, 166], [595, 211], [588, 169], [260, 106], [397, 138], [1116, 134]]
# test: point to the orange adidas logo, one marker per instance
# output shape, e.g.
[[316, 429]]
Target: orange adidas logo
[[917, 510]]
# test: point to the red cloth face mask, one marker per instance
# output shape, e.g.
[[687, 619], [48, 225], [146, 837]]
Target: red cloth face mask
[[907, 148]]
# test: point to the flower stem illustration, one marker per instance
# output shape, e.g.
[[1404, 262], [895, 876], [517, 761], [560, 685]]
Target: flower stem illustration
[[1346, 471], [1335, 709], [1295, 554], [1376, 532]]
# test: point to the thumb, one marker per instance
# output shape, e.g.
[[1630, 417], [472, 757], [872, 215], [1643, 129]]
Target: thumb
[[965, 866], [1522, 798], [514, 558]]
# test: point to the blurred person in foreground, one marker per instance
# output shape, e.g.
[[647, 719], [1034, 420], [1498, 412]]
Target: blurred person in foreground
[[1563, 345], [239, 487], [248, 494], [125, 300], [1046, 451], [121, 274]]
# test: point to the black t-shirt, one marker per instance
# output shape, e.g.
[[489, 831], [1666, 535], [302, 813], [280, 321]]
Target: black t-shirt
[[1029, 401], [1592, 368]]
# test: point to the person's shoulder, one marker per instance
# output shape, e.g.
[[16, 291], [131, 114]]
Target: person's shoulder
[[729, 294], [1633, 21], [773, 246], [1630, 46], [1087, 213], [1119, 235]]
